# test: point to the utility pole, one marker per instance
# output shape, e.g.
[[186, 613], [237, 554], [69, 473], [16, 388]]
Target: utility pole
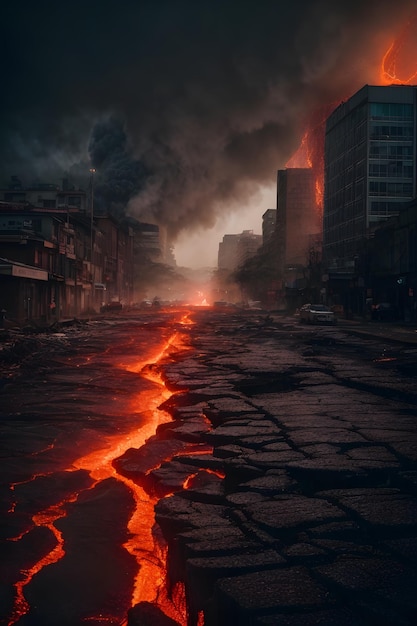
[[92, 297]]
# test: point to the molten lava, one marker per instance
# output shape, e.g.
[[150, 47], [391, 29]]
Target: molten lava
[[148, 549], [144, 543], [47, 519]]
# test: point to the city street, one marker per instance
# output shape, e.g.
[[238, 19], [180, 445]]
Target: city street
[[281, 464], [208, 314]]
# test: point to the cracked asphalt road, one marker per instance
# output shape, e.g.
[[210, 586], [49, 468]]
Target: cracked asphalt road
[[305, 510]]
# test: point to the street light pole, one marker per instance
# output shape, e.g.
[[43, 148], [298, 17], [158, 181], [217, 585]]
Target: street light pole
[[92, 296]]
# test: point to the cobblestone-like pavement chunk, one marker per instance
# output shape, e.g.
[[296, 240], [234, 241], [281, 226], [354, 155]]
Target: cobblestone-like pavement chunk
[[312, 519]]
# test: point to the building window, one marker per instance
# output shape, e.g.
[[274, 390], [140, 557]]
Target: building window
[[380, 110], [74, 201], [391, 132], [391, 169], [385, 208], [389, 151], [379, 188]]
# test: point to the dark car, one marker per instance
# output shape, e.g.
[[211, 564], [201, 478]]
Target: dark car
[[111, 307], [385, 312]]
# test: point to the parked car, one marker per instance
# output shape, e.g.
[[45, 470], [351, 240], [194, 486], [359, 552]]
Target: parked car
[[317, 314], [111, 307], [384, 312]]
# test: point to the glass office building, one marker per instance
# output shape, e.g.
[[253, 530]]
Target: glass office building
[[370, 167]]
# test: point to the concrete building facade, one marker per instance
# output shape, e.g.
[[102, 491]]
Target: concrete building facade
[[298, 218], [247, 246], [269, 219], [298, 230], [234, 250], [57, 259], [370, 168]]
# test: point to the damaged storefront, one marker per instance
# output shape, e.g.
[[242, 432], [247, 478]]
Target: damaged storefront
[[26, 293]]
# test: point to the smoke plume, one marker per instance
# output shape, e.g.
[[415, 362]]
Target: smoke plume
[[184, 108], [119, 175]]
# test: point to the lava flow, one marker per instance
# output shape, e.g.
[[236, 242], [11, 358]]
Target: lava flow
[[143, 544], [46, 519], [149, 553]]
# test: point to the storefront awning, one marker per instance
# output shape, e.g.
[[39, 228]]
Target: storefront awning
[[11, 268]]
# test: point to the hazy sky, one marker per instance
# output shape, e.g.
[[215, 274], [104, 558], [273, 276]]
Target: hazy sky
[[186, 108]]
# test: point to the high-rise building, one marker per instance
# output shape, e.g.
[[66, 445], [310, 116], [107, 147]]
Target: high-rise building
[[234, 250], [269, 219], [370, 168], [227, 255], [298, 218], [247, 246]]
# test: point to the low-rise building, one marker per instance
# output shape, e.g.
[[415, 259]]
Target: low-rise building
[[60, 260]]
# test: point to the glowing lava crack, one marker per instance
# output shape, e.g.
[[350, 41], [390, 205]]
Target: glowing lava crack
[[141, 540]]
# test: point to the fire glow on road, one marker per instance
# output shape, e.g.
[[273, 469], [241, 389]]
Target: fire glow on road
[[146, 547]]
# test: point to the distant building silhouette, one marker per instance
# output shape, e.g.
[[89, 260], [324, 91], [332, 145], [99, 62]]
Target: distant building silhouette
[[234, 250], [298, 221], [269, 219]]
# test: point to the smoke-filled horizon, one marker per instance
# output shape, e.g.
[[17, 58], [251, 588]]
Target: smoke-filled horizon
[[186, 109]]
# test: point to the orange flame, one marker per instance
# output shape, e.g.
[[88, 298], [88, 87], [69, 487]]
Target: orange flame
[[303, 156], [319, 191], [310, 153], [399, 63], [398, 66]]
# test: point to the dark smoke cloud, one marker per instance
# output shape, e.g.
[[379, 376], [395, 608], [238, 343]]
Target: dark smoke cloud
[[118, 175], [184, 107]]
